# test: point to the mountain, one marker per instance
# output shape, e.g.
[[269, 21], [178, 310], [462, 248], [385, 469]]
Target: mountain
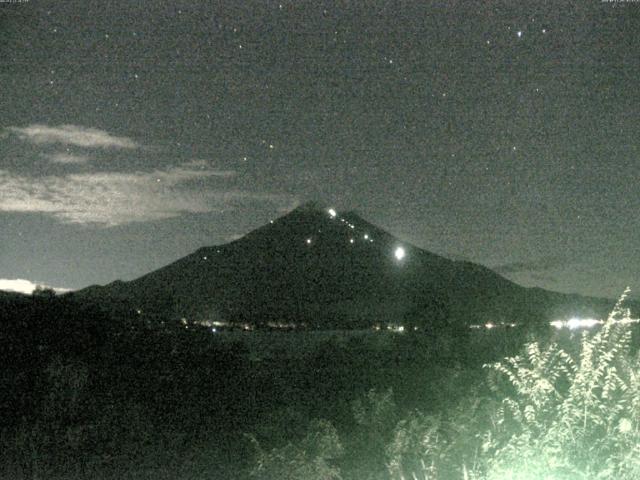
[[328, 269]]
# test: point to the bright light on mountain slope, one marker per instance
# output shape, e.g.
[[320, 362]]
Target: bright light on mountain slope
[[25, 286]]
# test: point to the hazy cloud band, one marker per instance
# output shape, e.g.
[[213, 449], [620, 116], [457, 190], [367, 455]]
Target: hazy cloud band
[[110, 199], [72, 135]]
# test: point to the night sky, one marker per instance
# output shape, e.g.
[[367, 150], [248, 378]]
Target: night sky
[[505, 133]]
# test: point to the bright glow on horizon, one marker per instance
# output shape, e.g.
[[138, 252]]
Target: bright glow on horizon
[[576, 323], [24, 286], [399, 253]]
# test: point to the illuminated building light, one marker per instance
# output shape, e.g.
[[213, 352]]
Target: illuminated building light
[[576, 323], [573, 323], [204, 258], [352, 227], [351, 240], [557, 324], [399, 253], [308, 241], [332, 212], [489, 326], [214, 330], [366, 236], [394, 327]]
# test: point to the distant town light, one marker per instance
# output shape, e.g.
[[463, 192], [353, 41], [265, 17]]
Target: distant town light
[[308, 241], [366, 236], [576, 323], [332, 212], [351, 240], [399, 253]]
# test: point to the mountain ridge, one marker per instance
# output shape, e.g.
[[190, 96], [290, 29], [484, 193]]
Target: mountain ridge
[[320, 268]]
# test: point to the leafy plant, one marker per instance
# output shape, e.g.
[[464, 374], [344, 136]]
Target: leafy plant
[[569, 416], [311, 458]]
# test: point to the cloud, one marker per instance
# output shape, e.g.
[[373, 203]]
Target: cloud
[[66, 158], [72, 135], [25, 286], [117, 198], [233, 237], [538, 265]]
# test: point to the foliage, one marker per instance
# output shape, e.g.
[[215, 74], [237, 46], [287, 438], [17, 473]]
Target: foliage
[[446, 445], [311, 458], [569, 416], [417, 446]]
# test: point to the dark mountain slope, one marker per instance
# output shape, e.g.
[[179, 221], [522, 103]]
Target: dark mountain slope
[[327, 270]]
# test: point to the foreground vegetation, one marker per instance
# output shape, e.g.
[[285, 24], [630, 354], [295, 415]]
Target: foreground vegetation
[[86, 393]]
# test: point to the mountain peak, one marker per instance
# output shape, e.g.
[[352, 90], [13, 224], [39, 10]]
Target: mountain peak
[[311, 205], [327, 268]]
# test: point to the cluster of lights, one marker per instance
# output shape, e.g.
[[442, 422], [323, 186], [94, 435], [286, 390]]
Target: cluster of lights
[[394, 327], [575, 323], [399, 252], [491, 325], [333, 214]]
